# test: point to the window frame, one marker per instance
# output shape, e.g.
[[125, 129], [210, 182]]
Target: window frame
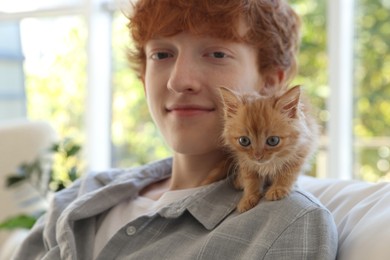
[[340, 30]]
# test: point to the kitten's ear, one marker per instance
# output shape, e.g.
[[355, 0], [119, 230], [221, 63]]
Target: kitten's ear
[[288, 103], [230, 101]]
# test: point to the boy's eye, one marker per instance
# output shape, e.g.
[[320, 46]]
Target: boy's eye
[[218, 55], [161, 55]]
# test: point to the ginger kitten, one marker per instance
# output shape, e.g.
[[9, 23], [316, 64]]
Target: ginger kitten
[[271, 140]]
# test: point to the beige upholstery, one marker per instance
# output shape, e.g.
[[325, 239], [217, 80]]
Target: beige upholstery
[[20, 141], [361, 211]]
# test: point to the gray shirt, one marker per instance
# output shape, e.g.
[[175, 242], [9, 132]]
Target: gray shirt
[[202, 226]]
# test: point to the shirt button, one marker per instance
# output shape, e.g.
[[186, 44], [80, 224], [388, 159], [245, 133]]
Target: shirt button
[[130, 230]]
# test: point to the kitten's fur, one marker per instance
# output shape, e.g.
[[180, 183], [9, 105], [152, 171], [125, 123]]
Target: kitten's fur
[[249, 121]]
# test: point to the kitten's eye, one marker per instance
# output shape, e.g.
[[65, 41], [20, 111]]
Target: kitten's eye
[[244, 141], [273, 140]]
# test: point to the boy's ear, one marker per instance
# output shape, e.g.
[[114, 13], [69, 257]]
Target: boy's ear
[[288, 103], [230, 101], [273, 82]]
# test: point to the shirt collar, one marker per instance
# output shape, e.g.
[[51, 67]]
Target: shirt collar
[[209, 206], [150, 173], [215, 204]]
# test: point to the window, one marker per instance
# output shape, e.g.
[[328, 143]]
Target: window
[[55, 69], [371, 121], [12, 93]]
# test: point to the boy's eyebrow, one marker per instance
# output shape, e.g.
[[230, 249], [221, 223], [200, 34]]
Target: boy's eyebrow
[[155, 43], [158, 40], [203, 40]]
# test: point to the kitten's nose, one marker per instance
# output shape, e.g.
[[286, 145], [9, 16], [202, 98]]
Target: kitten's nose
[[259, 156]]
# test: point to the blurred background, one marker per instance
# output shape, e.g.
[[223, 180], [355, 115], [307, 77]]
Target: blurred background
[[64, 62]]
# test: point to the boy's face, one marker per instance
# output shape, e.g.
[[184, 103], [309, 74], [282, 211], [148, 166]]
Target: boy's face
[[182, 75]]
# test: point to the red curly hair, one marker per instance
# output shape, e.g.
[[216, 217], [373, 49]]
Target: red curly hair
[[273, 27]]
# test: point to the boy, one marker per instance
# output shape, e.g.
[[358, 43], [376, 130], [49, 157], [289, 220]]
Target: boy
[[184, 50]]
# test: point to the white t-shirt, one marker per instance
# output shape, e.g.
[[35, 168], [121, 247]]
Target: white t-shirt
[[131, 209]]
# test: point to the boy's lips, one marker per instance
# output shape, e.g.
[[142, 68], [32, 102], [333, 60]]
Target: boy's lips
[[189, 109]]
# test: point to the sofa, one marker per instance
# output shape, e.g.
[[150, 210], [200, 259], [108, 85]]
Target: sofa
[[361, 211]]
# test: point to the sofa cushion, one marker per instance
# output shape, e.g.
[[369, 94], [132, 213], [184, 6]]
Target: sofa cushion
[[361, 211]]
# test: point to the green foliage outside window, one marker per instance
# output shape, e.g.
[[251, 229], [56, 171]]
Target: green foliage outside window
[[371, 79], [56, 78], [372, 89]]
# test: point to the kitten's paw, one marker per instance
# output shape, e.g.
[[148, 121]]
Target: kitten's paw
[[246, 203], [277, 193]]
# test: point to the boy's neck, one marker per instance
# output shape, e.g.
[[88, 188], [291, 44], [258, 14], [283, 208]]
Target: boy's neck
[[189, 171], [155, 190]]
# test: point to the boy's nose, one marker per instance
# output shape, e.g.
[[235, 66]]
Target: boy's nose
[[184, 76]]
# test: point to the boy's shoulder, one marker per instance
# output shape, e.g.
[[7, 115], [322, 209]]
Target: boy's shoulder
[[281, 214], [299, 211], [294, 206]]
